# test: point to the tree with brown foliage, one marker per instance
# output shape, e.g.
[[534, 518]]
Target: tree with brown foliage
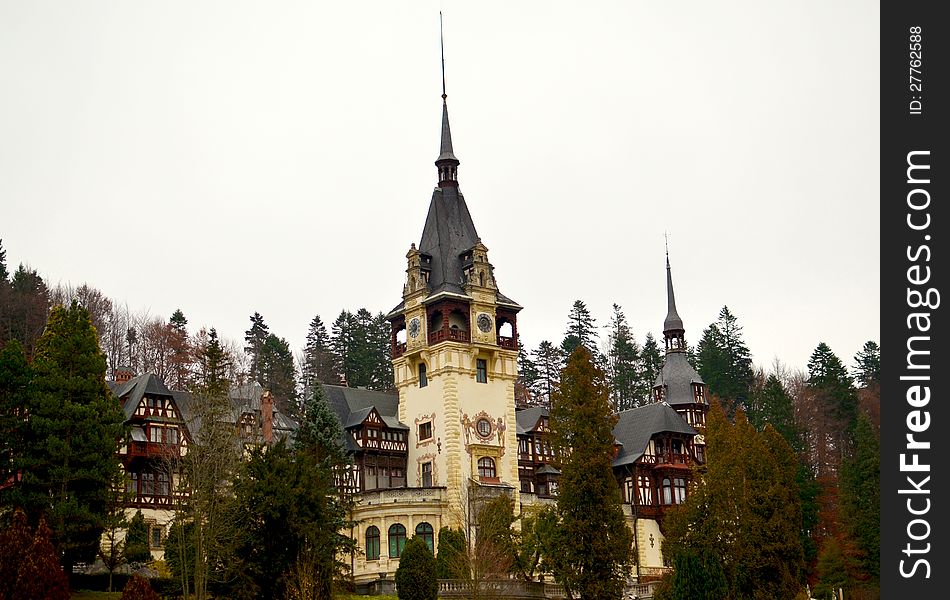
[[744, 510], [40, 576], [15, 540], [138, 588]]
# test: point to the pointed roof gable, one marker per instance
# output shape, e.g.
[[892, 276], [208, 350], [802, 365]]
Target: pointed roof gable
[[132, 391], [678, 377], [636, 426]]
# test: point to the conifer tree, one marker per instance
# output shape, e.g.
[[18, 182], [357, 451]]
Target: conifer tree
[[69, 458], [867, 365], [136, 540], [415, 576], [526, 386], [320, 432], [180, 359], [593, 550], [40, 576], [548, 359], [277, 372], [15, 378], [624, 359], [255, 338], [451, 561], [652, 365], [861, 498], [581, 330], [318, 363], [215, 367], [725, 362], [25, 309], [4, 274]]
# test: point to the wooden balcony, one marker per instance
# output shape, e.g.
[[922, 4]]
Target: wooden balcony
[[153, 450], [454, 335], [399, 348]]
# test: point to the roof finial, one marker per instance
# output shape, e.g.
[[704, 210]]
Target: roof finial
[[673, 321], [447, 163], [442, 48]]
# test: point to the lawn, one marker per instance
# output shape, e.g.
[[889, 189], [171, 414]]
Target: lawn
[[87, 595]]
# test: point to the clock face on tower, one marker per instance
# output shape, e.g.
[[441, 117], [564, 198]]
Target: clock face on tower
[[484, 323], [414, 327]]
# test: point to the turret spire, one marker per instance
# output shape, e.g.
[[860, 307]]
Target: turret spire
[[673, 331], [447, 164]]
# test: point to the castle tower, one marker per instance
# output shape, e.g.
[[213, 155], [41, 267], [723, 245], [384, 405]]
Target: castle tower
[[454, 352], [678, 384]]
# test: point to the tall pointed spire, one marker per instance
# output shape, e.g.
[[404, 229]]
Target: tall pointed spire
[[447, 164], [673, 331]]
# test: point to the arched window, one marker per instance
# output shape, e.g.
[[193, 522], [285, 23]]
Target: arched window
[[667, 491], [486, 467], [424, 530], [397, 540], [372, 543]]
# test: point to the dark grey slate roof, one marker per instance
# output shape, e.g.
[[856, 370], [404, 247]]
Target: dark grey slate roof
[[636, 426], [132, 391], [547, 470], [527, 418], [350, 404], [448, 232], [678, 377], [445, 148], [673, 321]]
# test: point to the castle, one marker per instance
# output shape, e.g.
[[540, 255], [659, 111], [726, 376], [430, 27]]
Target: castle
[[453, 431]]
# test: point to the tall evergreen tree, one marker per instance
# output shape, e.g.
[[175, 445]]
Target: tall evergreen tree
[[136, 540], [594, 546], [215, 367], [581, 330], [451, 561], [277, 372], [867, 365], [318, 363], [861, 498], [15, 379], [75, 423], [725, 362], [343, 337], [255, 337], [548, 359], [526, 386], [771, 404], [4, 274], [24, 309], [180, 357], [624, 360], [652, 365]]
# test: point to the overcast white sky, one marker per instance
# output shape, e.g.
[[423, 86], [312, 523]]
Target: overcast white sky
[[231, 157]]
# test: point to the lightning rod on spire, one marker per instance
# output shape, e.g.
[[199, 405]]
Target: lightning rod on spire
[[442, 48]]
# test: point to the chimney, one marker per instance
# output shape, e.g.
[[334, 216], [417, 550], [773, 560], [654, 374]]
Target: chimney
[[123, 374], [267, 417]]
